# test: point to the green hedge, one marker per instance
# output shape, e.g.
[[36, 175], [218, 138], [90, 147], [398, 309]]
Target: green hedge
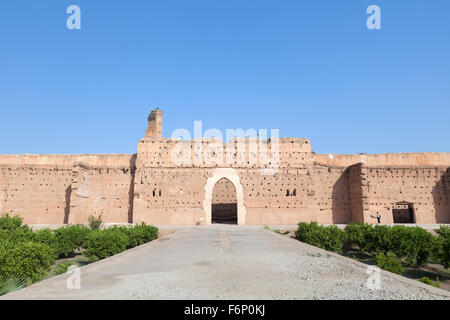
[[140, 234], [26, 259], [441, 250], [412, 245], [45, 236], [15, 235], [104, 243], [12, 230], [25, 254], [330, 238], [355, 234], [70, 238], [9, 223], [389, 262]]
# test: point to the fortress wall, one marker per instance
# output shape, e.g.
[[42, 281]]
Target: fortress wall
[[238, 153], [386, 159], [152, 187], [287, 189], [427, 188], [331, 194], [106, 191], [307, 193], [64, 160], [357, 181], [312, 193], [284, 193], [169, 196], [39, 187], [280, 217], [40, 194], [295, 152], [183, 187]]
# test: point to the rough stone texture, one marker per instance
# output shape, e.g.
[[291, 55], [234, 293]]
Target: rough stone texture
[[102, 191], [228, 262], [164, 184], [224, 192]]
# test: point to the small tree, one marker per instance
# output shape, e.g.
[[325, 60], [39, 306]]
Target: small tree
[[95, 223], [389, 262], [442, 246]]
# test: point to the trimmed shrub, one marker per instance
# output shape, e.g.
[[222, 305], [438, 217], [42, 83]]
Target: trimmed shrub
[[443, 231], [15, 235], [28, 259], [71, 238], [377, 239], [46, 236], [8, 222], [141, 234], [355, 234], [330, 238], [105, 243], [12, 230], [412, 243], [442, 246], [389, 262]]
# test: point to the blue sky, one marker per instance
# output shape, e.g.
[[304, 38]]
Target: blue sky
[[309, 68]]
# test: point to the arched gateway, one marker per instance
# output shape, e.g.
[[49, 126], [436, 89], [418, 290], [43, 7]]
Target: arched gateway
[[224, 203], [232, 176]]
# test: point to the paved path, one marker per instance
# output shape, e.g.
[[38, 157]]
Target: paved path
[[227, 262]]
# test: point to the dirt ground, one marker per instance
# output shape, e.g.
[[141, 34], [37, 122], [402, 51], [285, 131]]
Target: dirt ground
[[431, 271]]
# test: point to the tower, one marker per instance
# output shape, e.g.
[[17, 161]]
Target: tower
[[154, 124]]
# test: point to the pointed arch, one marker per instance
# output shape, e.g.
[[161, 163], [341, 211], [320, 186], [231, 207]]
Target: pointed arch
[[232, 175]]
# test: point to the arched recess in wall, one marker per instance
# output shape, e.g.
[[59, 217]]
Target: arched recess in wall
[[232, 175]]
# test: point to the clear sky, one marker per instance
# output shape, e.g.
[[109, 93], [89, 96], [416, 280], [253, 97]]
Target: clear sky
[[310, 68]]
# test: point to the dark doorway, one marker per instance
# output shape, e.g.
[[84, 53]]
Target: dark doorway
[[403, 212], [224, 203], [224, 213]]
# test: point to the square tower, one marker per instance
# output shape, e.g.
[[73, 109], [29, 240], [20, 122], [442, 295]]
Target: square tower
[[154, 124]]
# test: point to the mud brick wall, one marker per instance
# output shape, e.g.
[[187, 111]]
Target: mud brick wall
[[287, 193], [169, 196], [331, 199], [224, 192], [385, 159], [40, 188], [105, 191], [426, 188], [164, 184], [238, 153], [357, 191], [40, 194]]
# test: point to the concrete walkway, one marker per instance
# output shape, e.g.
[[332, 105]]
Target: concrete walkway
[[227, 262]]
